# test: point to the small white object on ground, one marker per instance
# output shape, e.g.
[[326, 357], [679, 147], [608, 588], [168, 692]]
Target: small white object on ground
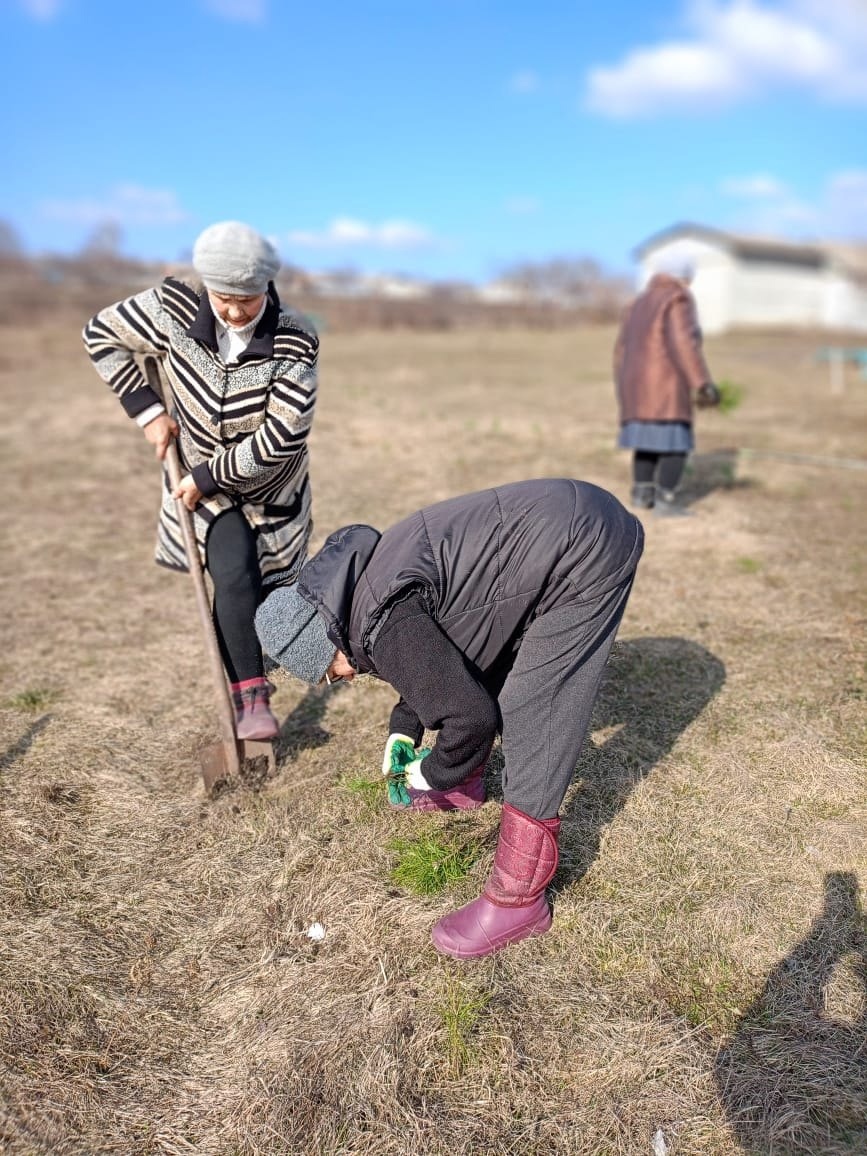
[[316, 931], [658, 1144]]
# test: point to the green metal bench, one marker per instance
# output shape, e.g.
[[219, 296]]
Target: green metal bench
[[847, 354]]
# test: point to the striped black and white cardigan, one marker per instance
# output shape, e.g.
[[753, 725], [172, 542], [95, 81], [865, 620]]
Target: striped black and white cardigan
[[243, 426]]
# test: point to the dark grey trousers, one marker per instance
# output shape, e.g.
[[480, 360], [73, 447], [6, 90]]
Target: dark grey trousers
[[547, 699]]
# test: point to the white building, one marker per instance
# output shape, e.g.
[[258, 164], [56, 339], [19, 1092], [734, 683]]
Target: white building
[[745, 281]]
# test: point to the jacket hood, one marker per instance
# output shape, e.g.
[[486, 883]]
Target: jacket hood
[[329, 579]]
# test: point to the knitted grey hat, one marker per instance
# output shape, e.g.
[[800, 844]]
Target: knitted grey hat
[[293, 634], [233, 258]]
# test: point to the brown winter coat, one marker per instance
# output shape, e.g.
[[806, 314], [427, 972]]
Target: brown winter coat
[[658, 360]]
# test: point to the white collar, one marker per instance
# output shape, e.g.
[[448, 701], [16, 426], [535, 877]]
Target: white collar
[[246, 331], [231, 341]]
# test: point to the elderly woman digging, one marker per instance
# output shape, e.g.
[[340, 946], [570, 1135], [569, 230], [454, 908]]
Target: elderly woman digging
[[242, 371]]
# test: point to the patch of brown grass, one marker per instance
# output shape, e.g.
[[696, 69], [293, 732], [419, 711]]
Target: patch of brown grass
[[705, 973]]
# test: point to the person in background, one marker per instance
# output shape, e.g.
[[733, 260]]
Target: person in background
[[660, 371], [491, 612], [242, 370]]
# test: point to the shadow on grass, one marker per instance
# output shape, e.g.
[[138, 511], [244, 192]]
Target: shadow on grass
[[23, 745], [653, 689], [793, 1077], [705, 473], [300, 729]]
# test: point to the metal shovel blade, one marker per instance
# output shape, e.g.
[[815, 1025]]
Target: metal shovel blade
[[252, 749], [218, 765], [221, 762]]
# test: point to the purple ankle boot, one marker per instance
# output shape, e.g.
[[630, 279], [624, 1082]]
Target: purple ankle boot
[[253, 716], [512, 906], [466, 796]]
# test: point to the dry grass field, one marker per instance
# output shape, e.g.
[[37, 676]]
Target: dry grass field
[[703, 991]]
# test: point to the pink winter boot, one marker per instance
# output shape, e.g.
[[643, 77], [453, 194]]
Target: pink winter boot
[[253, 716], [513, 904]]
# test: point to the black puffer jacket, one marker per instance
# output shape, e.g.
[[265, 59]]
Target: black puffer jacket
[[465, 578]]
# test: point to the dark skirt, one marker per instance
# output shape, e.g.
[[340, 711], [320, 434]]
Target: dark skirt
[[657, 437]]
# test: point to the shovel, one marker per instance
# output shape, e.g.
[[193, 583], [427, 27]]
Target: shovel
[[220, 761]]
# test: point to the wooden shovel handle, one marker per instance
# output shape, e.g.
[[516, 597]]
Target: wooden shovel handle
[[194, 562]]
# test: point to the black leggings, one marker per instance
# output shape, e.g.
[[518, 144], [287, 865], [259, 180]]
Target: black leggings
[[233, 563], [665, 469]]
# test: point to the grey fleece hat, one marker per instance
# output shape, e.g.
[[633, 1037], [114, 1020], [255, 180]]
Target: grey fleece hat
[[292, 632], [230, 257], [675, 264]]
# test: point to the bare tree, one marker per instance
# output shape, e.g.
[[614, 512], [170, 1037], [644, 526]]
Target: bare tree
[[104, 242], [566, 281], [100, 260], [11, 248]]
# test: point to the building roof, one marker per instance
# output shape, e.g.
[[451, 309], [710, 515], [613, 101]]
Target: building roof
[[851, 255]]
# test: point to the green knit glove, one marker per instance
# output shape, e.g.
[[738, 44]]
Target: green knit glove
[[399, 753]]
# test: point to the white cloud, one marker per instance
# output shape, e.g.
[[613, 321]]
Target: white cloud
[[672, 76], [43, 10], [344, 232], [736, 49], [239, 11], [126, 204], [839, 209], [763, 44], [845, 22], [758, 185], [524, 82]]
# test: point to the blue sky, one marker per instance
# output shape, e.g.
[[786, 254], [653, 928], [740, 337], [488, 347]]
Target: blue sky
[[444, 138]]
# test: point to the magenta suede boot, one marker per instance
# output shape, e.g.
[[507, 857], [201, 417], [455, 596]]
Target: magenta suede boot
[[253, 716], [466, 796], [513, 904]]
